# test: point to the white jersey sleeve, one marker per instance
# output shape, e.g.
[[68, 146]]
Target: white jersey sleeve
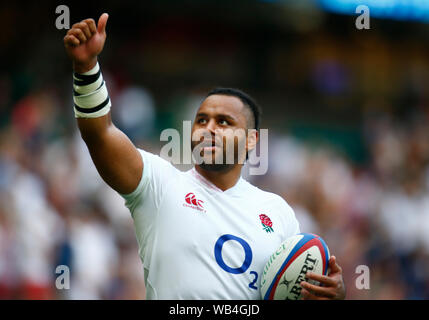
[[147, 198], [293, 224], [156, 172]]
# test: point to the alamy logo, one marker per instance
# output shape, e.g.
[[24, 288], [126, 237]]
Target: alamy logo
[[230, 143], [267, 224], [193, 202]]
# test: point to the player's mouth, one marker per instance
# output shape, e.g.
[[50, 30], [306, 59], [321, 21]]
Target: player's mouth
[[210, 149], [210, 146]]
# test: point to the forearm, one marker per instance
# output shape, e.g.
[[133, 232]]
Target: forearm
[[95, 130], [114, 155]]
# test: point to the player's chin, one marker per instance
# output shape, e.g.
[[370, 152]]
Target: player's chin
[[216, 167], [214, 162]]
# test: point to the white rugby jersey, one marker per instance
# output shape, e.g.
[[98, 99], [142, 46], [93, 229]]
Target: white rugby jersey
[[199, 242]]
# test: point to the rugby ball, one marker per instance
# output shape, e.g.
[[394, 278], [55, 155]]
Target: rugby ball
[[287, 266]]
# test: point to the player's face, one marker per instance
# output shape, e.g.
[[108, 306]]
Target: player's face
[[220, 132]]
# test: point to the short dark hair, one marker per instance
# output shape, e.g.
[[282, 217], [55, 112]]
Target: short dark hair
[[247, 100]]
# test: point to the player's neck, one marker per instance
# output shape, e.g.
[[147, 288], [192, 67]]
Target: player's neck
[[221, 179]]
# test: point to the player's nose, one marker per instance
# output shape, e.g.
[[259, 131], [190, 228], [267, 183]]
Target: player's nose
[[211, 126]]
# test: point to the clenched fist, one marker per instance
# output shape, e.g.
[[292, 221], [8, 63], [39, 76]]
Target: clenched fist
[[84, 41]]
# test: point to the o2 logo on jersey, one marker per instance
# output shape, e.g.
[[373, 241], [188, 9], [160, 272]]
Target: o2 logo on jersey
[[248, 256]]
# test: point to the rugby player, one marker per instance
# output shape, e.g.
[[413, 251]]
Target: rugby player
[[205, 233]]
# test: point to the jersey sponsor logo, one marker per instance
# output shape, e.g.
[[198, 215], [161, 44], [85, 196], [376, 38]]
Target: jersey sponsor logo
[[193, 202], [267, 224]]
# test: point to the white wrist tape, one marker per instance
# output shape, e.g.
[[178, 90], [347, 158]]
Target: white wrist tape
[[90, 95]]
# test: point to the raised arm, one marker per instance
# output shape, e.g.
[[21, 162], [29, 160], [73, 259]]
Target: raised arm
[[114, 155]]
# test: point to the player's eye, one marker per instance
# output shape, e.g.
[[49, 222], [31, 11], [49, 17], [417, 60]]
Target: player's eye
[[201, 121], [223, 122]]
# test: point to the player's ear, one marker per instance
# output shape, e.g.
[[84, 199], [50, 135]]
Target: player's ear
[[252, 139]]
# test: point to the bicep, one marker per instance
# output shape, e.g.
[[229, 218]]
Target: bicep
[[116, 158]]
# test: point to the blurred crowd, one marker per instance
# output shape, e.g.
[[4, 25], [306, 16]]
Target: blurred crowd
[[376, 216], [56, 211], [372, 209]]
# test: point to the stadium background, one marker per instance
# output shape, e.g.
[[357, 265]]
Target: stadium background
[[347, 110]]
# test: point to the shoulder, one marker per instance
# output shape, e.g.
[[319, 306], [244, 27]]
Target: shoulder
[[153, 157], [277, 207], [262, 196], [158, 174], [152, 161]]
